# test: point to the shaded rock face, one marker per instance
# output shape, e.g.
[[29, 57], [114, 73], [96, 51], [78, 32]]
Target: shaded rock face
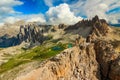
[[30, 33], [6, 41], [106, 56], [115, 69], [62, 26], [96, 26]]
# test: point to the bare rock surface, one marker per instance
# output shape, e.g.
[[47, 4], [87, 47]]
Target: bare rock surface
[[71, 64]]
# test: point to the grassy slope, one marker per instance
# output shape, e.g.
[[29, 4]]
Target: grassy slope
[[38, 53]]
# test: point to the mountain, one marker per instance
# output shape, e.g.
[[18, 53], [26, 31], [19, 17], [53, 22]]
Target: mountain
[[87, 50], [27, 33], [8, 34], [33, 33]]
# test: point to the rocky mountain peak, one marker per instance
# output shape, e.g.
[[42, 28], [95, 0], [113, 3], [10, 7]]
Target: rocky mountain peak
[[62, 26], [30, 34], [95, 19], [95, 27]]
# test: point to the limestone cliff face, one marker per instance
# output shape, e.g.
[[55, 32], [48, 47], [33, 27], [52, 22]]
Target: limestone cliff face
[[85, 61], [30, 33], [114, 73], [77, 63], [106, 57]]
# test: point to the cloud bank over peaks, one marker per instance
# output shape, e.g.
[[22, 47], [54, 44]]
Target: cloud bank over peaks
[[35, 18], [61, 11], [61, 14], [106, 9], [6, 9], [11, 20], [55, 15]]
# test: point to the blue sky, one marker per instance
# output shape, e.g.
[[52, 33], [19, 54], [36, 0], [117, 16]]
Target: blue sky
[[38, 6], [32, 7], [58, 11]]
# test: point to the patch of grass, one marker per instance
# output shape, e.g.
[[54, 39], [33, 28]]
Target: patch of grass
[[38, 53], [11, 64]]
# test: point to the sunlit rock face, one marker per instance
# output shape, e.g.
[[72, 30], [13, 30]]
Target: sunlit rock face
[[87, 61], [72, 64]]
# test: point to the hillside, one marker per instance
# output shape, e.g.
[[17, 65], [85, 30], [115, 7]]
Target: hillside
[[87, 50]]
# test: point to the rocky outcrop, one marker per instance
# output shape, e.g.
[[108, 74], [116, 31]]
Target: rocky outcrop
[[62, 26], [30, 33], [85, 61], [72, 64], [105, 57], [114, 73], [100, 25], [96, 26]]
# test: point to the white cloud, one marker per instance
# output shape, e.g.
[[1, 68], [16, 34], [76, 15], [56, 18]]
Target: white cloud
[[6, 6], [35, 18], [49, 2], [10, 2], [114, 18], [11, 20], [55, 15], [61, 14], [27, 18], [6, 9], [90, 8]]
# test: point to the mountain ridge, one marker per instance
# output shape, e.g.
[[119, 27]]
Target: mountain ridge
[[93, 52]]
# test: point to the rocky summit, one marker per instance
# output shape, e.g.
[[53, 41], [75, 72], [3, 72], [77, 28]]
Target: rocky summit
[[87, 50]]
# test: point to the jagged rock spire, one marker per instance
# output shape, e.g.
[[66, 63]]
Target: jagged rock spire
[[96, 18], [30, 33]]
